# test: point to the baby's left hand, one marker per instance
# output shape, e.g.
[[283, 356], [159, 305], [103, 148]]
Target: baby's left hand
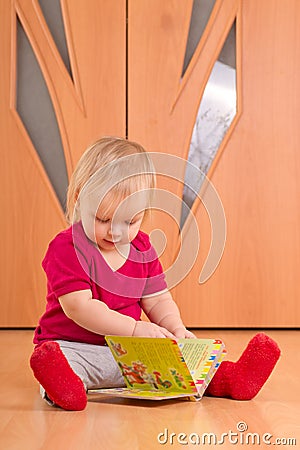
[[183, 333]]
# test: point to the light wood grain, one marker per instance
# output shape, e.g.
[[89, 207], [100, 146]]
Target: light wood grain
[[255, 172], [87, 107], [162, 106], [27, 422], [257, 166], [257, 180]]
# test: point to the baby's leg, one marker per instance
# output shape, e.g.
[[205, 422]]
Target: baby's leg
[[243, 379], [94, 364], [66, 370], [52, 370]]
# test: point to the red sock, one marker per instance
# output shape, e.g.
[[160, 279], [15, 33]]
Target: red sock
[[243, 379], [53, 372]]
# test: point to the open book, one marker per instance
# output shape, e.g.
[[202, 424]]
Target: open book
[[162, 368]]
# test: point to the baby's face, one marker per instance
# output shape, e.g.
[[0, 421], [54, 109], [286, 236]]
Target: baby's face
[[115, 225], [111, 231]]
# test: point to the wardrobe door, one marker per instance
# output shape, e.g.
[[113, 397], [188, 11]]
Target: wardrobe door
[[64, 82], [247, 263], [62, 85]]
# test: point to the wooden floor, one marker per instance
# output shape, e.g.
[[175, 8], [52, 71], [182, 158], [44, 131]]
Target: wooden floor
[[27, 422]]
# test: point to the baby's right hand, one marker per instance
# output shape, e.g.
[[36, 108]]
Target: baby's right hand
[[148, 329]]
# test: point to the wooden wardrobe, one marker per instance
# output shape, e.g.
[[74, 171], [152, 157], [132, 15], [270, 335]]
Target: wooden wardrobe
[[125, 77]]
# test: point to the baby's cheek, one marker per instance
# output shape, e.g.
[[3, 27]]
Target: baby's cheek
[[91, 229], [132, 232]]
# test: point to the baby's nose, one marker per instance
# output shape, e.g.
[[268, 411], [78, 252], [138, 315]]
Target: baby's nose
[[116, 231]]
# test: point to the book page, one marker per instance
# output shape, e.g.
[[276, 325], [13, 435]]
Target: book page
[[152, 364], [201, 357], [139, 394]]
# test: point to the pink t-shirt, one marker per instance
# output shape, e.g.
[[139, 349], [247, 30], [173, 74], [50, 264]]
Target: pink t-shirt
[[74, 263]]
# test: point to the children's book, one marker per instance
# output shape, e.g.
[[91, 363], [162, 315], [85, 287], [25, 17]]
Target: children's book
[[163, 368]]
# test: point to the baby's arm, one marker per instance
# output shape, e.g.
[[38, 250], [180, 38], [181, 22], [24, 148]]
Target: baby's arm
[[162, 310], [95, 316]]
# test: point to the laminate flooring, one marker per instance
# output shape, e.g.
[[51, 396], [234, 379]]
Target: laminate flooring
[[272, 418]]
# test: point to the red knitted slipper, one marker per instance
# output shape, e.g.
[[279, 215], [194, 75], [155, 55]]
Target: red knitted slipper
[[243, 379], [53, 372]]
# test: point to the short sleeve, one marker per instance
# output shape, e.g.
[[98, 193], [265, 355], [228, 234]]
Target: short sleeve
[[64, 271]]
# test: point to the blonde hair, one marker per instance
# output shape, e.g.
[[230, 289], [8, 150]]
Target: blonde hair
[[106, 160]]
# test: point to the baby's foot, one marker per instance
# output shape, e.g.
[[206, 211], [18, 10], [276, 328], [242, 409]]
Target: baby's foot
[[53, 372], [243, 379]]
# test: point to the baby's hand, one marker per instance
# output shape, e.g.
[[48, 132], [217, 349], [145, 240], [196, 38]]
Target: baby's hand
[[148, 329], [183, 333]]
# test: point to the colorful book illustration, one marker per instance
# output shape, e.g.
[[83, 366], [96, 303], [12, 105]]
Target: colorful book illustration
[[162, 368]]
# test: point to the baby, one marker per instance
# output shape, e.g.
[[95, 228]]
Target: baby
[[102, 272]]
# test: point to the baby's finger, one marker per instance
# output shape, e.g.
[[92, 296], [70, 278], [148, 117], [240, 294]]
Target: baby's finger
[[167, 333], [190, 335]]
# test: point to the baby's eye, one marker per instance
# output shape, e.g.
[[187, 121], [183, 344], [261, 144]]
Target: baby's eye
[[98, 219]]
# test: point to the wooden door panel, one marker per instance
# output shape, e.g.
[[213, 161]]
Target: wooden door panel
[[255, 171], [256, 282], [87, 106]]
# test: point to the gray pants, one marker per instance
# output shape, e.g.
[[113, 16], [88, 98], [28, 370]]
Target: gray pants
[[94, 364]]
